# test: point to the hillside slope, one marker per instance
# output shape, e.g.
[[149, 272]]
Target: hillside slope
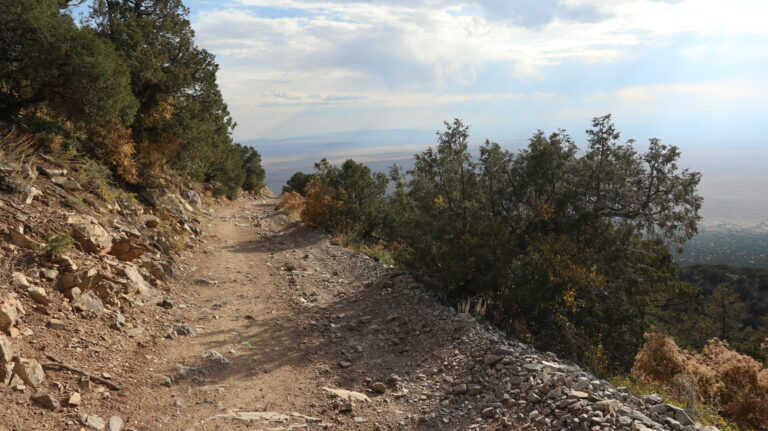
[[267, 325]]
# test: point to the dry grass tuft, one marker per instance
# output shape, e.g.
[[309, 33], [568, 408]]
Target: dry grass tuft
[[736, 384], [292, 204]]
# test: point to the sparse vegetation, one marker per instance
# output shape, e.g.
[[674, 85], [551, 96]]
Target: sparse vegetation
[[292, 204], [57, 243], [718, 376]]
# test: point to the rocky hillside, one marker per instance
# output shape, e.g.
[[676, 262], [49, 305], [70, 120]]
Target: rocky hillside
[[263, 324], [78, 269]]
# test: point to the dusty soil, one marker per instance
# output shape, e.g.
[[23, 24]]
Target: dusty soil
[[292, 314], [289, 312], [281, 349]]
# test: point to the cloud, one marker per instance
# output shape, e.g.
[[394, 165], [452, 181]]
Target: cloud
[[285, 60], [538, 13]]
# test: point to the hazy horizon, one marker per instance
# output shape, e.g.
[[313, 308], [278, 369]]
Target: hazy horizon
[[732, 178]]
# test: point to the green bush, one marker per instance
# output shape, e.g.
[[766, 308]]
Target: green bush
[[568, 249], [57, 243]]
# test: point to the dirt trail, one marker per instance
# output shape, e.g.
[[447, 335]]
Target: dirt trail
[[269, 326], [271, 296]]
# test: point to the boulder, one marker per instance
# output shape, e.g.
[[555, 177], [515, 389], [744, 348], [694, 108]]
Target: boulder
[[20, 280], [45, 400], [126, 248], [6, 350], [346, 395], [84, 280], [38, 295], [30, 372], [115, 424], [88, 301], [193, 198], [74, 399], [10, 311], [66, 183], [136, 284], [92, 422], [19, 239], [87, 231]]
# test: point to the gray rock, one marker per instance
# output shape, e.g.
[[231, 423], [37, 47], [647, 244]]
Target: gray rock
[[30, 371], [57, 324], [6, 350], [92, 422], [459, 389], [215, 356], [116, 424], [379, 387], [184, 330], [652, 399], [20, 240], [43, 399], [38, 295], [88, 301], [11, 311], [683, 417], [74, 399]]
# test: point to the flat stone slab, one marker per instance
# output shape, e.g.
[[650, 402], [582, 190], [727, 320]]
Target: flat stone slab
[[273, 417], [347, 395]]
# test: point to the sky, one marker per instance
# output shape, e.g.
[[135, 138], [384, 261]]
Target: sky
[[662, 67]]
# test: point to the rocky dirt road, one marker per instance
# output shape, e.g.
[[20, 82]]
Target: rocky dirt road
[[269, 326], [280, 321], [291, 332]]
